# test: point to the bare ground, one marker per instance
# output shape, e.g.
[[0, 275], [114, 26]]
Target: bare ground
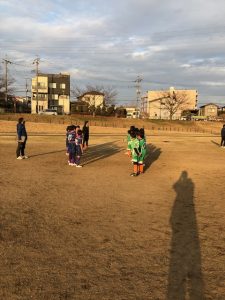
[[97, 233]]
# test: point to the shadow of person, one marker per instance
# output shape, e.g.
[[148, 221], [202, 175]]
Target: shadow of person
[[153, 154], [101, 151], [46, 153], [185, 280], [215, 143]]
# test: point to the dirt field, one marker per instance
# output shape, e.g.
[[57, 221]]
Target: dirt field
[[97, 233]]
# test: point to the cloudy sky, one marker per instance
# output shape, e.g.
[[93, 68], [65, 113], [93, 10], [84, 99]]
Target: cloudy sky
[[179, 43]]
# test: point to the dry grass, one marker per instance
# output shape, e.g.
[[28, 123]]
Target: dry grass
[[97, 233]]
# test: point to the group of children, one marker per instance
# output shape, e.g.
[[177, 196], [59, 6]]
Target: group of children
[[76, 142], [136, 149]]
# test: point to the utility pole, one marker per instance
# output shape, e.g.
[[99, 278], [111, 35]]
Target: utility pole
[[36, 62], [6, 61], [138, 90]]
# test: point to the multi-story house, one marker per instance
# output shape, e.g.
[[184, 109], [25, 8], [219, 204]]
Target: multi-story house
[[209, 110], [155, 102], [93, 98], [51, 91]]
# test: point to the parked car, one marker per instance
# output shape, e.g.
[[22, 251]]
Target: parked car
[[48, 112]]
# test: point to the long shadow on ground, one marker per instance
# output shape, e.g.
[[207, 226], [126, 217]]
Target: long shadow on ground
[[153, 154], [215, 143], [101, 151], [46, 153], [185, 280]]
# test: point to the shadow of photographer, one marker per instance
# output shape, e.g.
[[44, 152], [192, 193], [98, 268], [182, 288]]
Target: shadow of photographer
[[185, 274]]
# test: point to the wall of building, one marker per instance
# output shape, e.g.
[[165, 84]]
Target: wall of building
[[92, 99], [53, 92], [155, 100], [210, 110]]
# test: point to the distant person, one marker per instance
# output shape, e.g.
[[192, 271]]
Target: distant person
[[21, 138], [222, 144], [85, 135], [141, 150], [79, 148], [133, 147], [71, 145], [128, 152]]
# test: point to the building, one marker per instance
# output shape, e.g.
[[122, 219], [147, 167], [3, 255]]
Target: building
[[155, 102], [132, 112], [209, 110], [51, 91], [93, 98]]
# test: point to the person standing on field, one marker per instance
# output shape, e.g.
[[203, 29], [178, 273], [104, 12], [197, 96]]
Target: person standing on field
[[85, 131], [21, 138], [222, 144]]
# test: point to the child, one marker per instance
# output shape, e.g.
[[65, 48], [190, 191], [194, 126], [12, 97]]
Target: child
[[133, 147], [67, 132], [22, 138], [71, 145], [141, 150], [79, 148], [128, 140]]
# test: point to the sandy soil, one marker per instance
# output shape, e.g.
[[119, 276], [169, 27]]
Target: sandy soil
[[97, 233]]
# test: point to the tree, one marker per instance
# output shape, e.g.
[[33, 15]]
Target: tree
[[109, 93], [173, 101], [10, 81]]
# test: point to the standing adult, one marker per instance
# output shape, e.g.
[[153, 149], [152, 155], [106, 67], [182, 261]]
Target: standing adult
[[22, 139], [222, 144], [85, 131]]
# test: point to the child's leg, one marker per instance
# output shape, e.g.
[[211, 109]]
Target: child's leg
[[71, 157], [135, 169], [141, 168], [77, 160]]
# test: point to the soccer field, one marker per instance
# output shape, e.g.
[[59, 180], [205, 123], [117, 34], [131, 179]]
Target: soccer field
[[97, 233]]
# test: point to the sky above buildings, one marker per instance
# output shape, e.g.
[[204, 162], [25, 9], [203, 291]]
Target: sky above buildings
[[168, 43]]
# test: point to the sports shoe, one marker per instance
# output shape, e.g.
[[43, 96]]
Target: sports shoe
[[79, 166], [72, 164], [19, 157], [133, 174], [25, 157]]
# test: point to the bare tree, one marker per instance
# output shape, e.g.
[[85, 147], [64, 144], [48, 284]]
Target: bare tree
[[109, 92], [174, 101], [10, 81]]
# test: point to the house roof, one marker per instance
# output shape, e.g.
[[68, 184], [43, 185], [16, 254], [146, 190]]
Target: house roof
[[91, 93], [209, 104]]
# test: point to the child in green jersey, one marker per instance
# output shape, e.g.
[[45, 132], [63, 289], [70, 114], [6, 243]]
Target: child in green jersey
[[133, 147], [128, 140], [142, 151]]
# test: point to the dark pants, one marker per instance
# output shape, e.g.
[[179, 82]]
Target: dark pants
[[72, 151], [222, 141], [85, 141], [20, 149]]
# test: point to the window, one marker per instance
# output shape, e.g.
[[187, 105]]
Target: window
[[52, 85], [55, 96], [62, 86], [41, 85]]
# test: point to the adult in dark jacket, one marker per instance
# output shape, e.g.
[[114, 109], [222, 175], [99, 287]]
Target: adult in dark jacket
[[85, 131], [22, 139], [223, 137]]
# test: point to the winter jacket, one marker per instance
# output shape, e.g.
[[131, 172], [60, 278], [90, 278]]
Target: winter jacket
[[223, 132], [21, 130]]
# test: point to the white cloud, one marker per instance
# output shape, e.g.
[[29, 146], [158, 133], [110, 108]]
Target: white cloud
[[174, 43]]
